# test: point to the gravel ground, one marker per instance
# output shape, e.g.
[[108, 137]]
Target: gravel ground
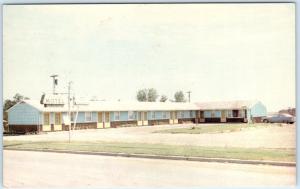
[[267, 137], [43, 170]]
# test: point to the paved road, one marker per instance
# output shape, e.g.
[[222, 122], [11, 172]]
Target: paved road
[[269, 137], [43, 169]]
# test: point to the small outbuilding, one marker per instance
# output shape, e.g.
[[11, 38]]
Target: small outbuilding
[[25, 117]]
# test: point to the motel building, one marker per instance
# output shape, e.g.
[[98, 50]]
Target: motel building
[[51, 114]]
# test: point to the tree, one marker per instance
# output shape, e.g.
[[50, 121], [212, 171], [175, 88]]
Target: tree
[[152, 95], [163, 98], [10, 103], [18, 98], [147, 95], [142, 95], [179, 97]]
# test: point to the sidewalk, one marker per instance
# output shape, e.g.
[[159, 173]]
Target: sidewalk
[[200, 159]]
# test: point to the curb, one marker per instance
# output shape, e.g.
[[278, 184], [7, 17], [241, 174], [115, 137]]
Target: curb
[[149, 156]]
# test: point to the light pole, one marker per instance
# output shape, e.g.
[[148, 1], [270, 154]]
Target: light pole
[[69, 113]]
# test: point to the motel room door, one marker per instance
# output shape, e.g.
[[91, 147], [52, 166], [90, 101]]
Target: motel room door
[[223, 116], [142, 118], [200, 116], [57, 122], [106, 120], [145, 118], [139, 121], [100, 123], [173, 117], [46, 125]]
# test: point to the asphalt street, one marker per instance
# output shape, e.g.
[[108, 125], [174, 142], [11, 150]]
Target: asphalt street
[[44, 169]]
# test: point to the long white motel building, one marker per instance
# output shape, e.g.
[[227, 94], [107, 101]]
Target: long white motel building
[[51, 114]]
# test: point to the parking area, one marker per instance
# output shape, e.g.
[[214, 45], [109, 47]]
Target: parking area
[[271, 136]]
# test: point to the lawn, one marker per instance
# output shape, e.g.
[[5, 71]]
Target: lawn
[[220, 128], [160, 149]]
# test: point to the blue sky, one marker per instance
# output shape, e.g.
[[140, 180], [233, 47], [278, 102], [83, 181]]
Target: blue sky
[[218, 51]]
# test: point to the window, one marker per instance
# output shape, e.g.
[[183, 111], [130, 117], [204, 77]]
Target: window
[[131, 115], [229, 113], [235, 113], [164, 115], [88, 116], [117, 116], [153, 115], [181, 114], [191, 114], [218, 113], [57, 119], [207, 114]]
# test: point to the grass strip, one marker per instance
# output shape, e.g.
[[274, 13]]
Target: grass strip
[[161, 149], [222, 128]]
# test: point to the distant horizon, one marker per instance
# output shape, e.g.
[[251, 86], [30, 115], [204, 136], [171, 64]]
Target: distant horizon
[[220, 52]]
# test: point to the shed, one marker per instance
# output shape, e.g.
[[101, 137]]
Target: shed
[[26, 113]]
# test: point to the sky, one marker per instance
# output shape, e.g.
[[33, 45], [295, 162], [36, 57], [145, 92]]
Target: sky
[[218, 51]]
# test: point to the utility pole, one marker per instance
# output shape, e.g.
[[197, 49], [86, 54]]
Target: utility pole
[[54, 82], [69, 113], [189, 92]]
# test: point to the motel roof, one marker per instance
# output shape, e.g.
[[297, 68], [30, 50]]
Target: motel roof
[[116, 106], [224, 105], [143, 106]]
